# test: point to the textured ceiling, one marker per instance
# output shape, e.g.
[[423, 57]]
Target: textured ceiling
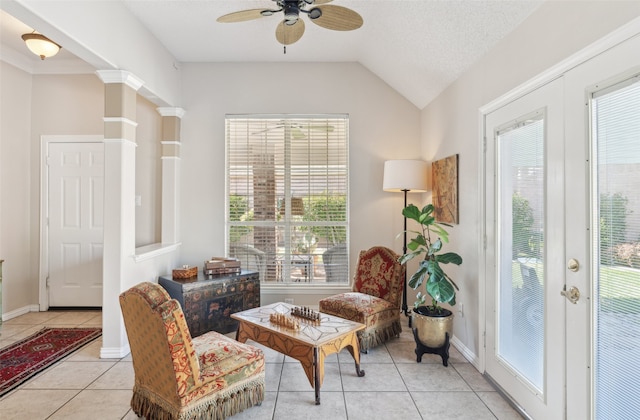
[[418, 47]]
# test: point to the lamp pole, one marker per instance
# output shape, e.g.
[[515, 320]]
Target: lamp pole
[[405, 307], [405, 175]]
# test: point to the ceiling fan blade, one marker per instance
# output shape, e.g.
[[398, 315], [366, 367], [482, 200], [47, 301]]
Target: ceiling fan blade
[[338, 18], [241, 16], [322, 1], [288, 34]]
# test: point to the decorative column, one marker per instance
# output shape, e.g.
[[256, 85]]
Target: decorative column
[[170, 140], [120, 97]]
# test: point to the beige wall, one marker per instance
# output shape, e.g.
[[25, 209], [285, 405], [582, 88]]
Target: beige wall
[[37, 105], [383, 125], [450, 124], [18, 270], [148, 173]]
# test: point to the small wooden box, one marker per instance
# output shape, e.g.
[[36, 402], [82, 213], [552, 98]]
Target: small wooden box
[[221, 265], [219, 262], [185, 272]]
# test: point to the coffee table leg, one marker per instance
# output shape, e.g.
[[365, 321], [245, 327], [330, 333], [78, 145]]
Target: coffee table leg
[[316, 379], [354, 349]]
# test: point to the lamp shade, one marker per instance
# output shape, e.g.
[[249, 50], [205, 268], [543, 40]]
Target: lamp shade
[[40, 45], [405, 175]]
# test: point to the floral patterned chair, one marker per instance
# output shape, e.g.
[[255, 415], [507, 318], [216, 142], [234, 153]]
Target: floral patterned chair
[[177, 377], [375, 298]]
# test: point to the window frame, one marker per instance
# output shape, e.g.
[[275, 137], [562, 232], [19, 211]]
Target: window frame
[[282, 219]]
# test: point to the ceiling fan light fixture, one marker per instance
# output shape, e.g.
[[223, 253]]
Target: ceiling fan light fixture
[[291, 13], [267, 12], [40, 45], [315, 13]]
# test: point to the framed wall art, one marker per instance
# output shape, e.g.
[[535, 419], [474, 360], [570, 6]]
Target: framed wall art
[[444, 174]]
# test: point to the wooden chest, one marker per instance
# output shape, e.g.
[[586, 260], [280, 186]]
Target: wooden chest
[[209, 301]]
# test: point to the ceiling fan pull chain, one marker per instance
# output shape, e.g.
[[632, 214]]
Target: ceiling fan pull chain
[[285, 49]]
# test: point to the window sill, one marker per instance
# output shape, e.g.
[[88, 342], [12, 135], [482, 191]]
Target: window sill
[[304, 289], [148, 252]]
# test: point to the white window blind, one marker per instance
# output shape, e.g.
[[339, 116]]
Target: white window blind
[[616, 261], [287, 192], [521, 298]]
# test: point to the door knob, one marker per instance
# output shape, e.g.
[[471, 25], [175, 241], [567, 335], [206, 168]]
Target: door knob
[[572, 295], [573, 265]]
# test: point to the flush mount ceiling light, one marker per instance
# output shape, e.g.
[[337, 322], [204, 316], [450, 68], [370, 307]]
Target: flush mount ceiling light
[[40, 45]]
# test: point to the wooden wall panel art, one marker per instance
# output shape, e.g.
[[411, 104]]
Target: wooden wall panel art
[[445, 189]]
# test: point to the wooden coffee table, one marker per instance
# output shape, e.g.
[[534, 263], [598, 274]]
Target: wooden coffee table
[[310, 345]]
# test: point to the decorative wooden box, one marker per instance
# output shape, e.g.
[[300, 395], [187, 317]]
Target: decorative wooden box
[[221, 265], [185, 272], [208, 302]]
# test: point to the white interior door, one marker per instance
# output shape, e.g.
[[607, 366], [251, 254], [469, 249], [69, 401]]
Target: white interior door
[[525, 250], [75, 204]]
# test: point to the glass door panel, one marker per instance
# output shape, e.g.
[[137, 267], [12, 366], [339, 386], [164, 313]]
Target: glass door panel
[[521, 216], [616, 226]]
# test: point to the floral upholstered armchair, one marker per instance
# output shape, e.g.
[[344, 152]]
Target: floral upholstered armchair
[[375, 298], [177, 377]]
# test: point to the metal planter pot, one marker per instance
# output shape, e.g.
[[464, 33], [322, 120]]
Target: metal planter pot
[[432, 329]]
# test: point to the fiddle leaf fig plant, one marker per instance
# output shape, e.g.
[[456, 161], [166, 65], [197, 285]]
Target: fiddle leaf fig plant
[[439, 286]]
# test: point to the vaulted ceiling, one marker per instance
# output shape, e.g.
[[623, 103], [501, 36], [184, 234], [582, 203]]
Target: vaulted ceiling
[[418, 47]]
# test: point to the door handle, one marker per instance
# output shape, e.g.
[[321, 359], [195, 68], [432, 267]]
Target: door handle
[[572, 295], [573, 265]]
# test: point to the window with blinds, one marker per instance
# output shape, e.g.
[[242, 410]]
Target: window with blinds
[[616, 254], [287, 197]]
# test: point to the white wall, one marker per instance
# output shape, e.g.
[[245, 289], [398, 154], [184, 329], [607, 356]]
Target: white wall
[[108, 37], [450, 124], [383, 125]]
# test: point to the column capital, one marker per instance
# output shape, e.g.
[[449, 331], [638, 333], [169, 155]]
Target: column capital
[[120, 76], [168, 111]]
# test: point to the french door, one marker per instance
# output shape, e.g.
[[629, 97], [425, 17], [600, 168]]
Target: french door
[[563, 242], [526, 321]]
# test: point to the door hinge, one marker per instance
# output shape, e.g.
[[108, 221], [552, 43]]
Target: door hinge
[[484, 144], [484, 339], [46, 281]]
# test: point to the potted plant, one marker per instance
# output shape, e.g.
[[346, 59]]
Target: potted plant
[[432, 321]]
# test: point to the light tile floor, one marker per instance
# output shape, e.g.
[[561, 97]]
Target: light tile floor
[[395, 386]]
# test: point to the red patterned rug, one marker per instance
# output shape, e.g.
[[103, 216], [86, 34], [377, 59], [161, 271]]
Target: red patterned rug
[[23, 359]]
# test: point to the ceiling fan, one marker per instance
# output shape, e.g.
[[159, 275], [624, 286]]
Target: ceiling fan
[[291, 28]]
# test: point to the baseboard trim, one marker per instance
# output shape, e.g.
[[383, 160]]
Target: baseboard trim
[[114, 352], [466, 352], [20, 311]]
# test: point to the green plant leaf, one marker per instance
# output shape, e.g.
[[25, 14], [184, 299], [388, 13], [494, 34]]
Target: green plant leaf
[[418, 277], [449, 257], [442, 291], [411, 212], [435, 271], [409, 256], [435, 247], [428, 209], [438, 230], [417, 242]]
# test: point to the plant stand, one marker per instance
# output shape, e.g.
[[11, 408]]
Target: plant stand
[[421, 349]]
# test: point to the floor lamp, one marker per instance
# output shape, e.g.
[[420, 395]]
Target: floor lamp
[[405, 175]]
